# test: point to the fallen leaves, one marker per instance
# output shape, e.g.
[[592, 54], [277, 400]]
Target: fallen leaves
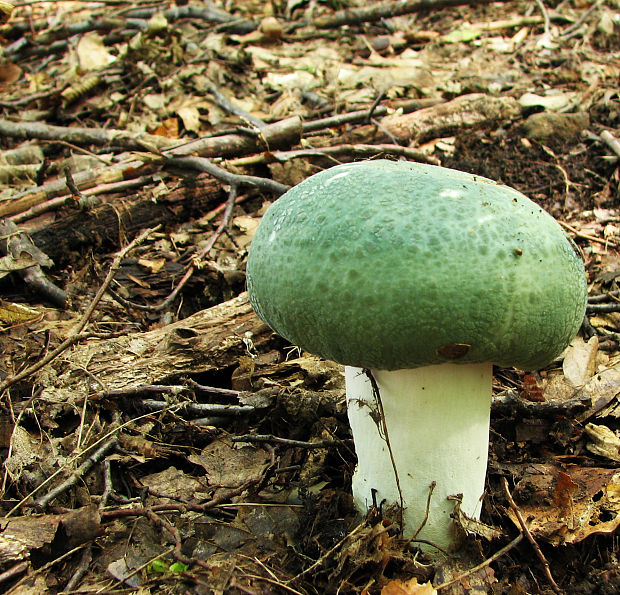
[[568, 505], [410, 587]]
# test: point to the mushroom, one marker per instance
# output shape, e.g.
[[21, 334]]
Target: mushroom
[[418, 279]]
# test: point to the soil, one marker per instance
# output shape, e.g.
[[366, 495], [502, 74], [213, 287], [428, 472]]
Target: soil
[[156, 435]]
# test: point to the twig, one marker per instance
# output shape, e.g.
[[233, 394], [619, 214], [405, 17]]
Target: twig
[[12, 572], [431, 489], [376, 12], [375, 104], [204, 165], [80, 571], [572, 29], [74, 334], [80, 472], [603, 307], [108, 487], [530, 538], [273, 581], [262, 438], [231, 108], [603, 297], [360, 116], [203, 408], [495, 556], [335, 151], [164, 524], [376, 393], [545, 14], [585, 236], [611, 141], [83, 201]]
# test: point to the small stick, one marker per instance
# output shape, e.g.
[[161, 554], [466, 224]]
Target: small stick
[[107, 483], [431, 488], [208, 409], [603, 297], [377, 395], [530, 538], [376, 11], [603, 307], [12, 572], [611, 141], [203, 164], [230, 107], [545, 14], [80, 571], [80, 472], [495, 556], [261, 438], [585, 236]]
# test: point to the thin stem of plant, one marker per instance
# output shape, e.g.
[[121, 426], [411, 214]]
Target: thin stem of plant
[[377, 395], [530, 537], [495, 556]]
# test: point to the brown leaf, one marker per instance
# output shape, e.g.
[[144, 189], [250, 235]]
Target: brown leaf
[[410, 587], [9, 73]]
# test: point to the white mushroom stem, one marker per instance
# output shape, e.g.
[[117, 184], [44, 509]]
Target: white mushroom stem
[[437, 420]]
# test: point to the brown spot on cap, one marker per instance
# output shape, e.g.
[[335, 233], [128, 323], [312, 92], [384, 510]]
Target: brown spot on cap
[[454, 350]]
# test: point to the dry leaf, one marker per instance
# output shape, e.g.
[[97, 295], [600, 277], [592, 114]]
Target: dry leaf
[[566, 506], [603, 442], [580, 361], [92, 52], [410, 587]]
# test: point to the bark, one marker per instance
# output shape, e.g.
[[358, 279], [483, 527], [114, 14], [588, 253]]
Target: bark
[[106, 226], [205, 342], [440, 120]]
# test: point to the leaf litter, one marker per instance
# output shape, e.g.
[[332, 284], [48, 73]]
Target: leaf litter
[[173, 443]]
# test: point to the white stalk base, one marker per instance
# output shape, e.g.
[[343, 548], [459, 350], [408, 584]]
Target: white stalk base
[[437, 420]]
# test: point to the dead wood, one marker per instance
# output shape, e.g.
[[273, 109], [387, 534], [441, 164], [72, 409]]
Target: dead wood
[[439, 120], [108, 224], [85, 136], [207, 341], [387, 10], [279, 135], [361, 116]]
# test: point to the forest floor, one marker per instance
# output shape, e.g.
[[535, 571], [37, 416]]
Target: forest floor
[[156, 436]]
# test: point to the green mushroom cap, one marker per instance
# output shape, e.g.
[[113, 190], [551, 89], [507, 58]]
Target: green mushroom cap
[[392, 265]]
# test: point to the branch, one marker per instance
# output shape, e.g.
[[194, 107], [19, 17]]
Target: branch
[[388, 10]]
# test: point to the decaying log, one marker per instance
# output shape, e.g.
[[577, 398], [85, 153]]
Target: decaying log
[[440, 120], [207, 341], [279, 135], [108, 224]]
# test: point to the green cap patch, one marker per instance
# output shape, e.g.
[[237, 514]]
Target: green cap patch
[[392, 265]]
